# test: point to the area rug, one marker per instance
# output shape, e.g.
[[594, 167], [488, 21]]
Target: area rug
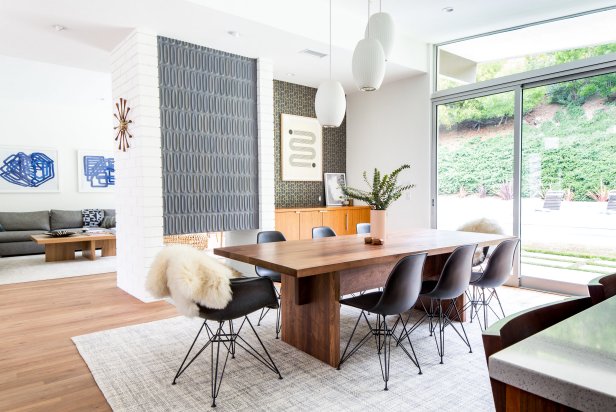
[[134, 366], [32, 268]]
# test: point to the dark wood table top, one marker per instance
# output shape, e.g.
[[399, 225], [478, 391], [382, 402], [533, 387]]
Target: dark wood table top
[[310, 257]]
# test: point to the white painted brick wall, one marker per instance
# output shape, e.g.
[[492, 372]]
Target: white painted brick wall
[[139, 201], [265, 110]]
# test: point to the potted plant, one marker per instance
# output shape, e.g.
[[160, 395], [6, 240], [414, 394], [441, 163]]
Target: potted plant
[[384, 190]]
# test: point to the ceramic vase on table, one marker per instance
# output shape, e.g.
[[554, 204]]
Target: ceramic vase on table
[[378, 222]]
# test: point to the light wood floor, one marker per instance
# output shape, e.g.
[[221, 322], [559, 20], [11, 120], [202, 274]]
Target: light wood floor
[[40, 368]]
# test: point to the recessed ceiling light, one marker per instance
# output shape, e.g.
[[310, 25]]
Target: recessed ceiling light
[[448, 9], [234, 33], [59, 27], [290, 74], [313, 53]]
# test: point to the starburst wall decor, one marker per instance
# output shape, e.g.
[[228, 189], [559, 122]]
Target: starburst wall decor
[[123, 134]]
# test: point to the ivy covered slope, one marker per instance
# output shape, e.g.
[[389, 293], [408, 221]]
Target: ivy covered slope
[[581, 161], [581, 156]]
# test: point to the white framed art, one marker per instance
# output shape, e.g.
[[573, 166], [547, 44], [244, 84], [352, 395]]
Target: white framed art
[[301, 148], [28, 170], [333, 188], [96, 170]]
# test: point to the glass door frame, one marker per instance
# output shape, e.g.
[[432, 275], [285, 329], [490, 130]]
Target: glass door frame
[[517, 83]]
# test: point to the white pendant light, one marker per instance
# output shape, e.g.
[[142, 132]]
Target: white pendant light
[[330, 101], [368, 62], [381, 27]]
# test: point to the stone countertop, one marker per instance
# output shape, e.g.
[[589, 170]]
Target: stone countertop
[[572, 362]]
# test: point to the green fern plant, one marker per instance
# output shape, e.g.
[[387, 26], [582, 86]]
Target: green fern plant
[[384, 190]]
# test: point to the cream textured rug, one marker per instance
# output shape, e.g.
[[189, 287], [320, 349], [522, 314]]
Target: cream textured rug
[[33, 267], [134, 367]]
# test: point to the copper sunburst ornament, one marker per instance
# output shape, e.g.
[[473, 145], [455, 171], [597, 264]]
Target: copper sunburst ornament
[[123, 134]]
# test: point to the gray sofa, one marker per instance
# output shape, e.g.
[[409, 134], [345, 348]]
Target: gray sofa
[[18, 226]]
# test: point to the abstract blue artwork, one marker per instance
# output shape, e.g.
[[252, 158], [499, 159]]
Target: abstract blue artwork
[[96, 171], [21, 170], [99, 171]]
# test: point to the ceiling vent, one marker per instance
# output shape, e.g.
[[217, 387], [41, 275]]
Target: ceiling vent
[[313, 53]]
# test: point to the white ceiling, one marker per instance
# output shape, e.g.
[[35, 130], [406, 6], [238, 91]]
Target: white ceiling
[[277, 29]]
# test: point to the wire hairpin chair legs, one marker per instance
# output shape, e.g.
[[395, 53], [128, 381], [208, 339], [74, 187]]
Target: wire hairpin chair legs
[[230, 341], [478, 300], [265, 311], [382, 334]]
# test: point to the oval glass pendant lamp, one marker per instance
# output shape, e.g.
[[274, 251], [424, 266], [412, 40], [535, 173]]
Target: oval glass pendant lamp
[[368, 62], [330, 101], [381, 27]]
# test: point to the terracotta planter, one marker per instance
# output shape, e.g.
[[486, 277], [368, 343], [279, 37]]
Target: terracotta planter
[[378, 223]]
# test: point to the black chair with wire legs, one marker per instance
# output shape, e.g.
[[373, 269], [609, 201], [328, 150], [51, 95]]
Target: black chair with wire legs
[[268, 237], [363, 228], [322, 231], [249, 295], [443, 293], [399, 295], [496, 273]]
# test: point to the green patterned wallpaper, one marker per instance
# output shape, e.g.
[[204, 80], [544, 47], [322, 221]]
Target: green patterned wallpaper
[[294, 99]]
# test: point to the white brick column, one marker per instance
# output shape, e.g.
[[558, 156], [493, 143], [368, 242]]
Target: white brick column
[[265, 111], [139, 196]]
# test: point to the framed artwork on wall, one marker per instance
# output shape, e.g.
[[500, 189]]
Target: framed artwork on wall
[[95, 170], [333, 191], [28, 170], [301, 148]]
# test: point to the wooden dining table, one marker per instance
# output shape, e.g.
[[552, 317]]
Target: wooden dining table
[[316, 272]]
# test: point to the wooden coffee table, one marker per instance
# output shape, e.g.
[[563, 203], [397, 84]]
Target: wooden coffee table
[[63, 248]]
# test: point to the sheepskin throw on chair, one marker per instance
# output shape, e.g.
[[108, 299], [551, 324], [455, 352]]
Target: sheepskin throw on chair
[[482, 225], [190, 277]]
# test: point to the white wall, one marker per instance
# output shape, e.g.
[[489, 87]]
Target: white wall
[[386, 129], [50, 106]]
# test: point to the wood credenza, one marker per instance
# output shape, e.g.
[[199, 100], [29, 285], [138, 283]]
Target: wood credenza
[[298, 223]]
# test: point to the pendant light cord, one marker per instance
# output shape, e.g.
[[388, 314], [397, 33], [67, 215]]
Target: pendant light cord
[[368, 19], [330, 39]]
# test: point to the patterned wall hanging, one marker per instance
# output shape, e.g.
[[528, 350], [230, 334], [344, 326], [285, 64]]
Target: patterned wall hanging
[[122, 134]]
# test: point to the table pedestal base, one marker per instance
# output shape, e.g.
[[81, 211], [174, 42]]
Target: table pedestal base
[[311, 312]]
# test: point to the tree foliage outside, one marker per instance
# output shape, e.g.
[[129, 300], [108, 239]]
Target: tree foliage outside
[[498, 109]]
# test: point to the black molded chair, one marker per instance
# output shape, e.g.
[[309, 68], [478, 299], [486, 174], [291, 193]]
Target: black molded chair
[[495, 274], [268, 237], [363, 228], [322, 231], [249, 295], [602, 288], [399, 295], [454, 280]]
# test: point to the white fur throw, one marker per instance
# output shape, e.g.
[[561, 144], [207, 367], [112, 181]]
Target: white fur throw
[[190, 276], [482, 225]]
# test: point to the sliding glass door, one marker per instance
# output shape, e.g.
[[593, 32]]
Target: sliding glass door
[[568, 174], [475, 152], [555, 141]]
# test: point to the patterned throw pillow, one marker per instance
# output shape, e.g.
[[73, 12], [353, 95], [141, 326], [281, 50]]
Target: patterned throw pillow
[[108, 222], [92, 217]]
